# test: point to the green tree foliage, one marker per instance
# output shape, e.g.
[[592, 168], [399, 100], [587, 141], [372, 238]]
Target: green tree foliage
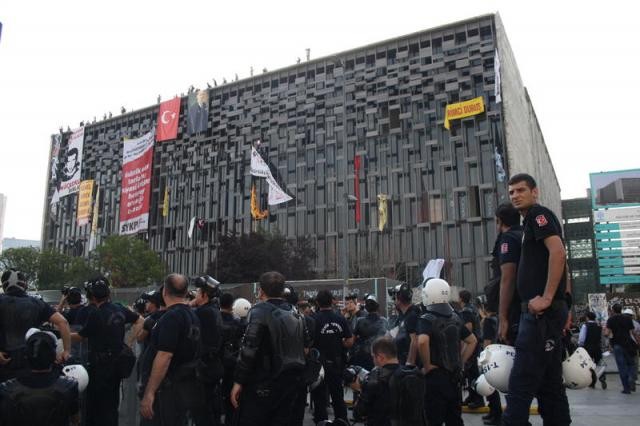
[[128, 261], [24, 259], [244, 258], [52, 269]]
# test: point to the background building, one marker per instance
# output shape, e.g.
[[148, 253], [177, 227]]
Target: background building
[[385, 105], [581, 258], [9, 243]]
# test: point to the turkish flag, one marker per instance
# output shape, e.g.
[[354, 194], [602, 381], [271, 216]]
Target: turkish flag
[[168, 118]]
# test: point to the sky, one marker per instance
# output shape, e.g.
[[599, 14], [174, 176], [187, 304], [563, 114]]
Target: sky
[[67, 61]]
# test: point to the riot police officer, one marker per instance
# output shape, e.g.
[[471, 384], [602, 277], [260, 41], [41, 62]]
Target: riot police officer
[[352, 311], [331, 338], [541, 285], [440, 333], [471, 320], [403, 330], [232, 331], [72, 297], [367, 329], [104, 331], [18, 313], [272, 358], [172, 388], [41, 397], [211, 372]]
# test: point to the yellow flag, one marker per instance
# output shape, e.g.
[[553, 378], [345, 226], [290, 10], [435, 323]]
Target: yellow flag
[[165, 202], [463, 109], [382, 211], [84, 202], [256, 213]]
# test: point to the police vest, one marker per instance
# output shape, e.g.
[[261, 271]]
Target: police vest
[[17, 315], [368, 328], [27, 406], [444, 342]]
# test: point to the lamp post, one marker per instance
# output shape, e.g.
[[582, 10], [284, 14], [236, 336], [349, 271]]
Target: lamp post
[[348, 199]]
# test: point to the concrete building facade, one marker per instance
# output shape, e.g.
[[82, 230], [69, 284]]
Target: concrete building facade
[[384, 104]]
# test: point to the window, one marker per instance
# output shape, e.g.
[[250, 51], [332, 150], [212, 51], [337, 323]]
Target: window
[[580, 249]]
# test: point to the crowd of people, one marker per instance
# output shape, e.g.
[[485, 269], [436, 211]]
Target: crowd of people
[[198, 353]]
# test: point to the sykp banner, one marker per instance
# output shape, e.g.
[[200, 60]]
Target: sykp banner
[[84, 202], [136, 184], [72, 164]]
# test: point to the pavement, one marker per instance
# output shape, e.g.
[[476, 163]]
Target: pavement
[[589, 407]]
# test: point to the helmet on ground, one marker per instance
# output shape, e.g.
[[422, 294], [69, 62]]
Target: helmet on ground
[[495, 363], [241, 307], [483, 387], [78, 373], [12, 278], [435, 291], [579, 370]]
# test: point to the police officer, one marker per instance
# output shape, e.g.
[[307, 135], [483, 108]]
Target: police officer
[[440, 333], [104, 331], [232, 332], [172, 388], [271, 359], [206, 302], [506, 254], [366, 330], [41, 397], [154, 309], [541, 284], [72, 298], [332, 337], [471, 320], [352, 311], [18, 313], [404, 328]]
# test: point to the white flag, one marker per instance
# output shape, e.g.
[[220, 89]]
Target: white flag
[[261, 169], [496, 66], [191, 226], [433, 268]]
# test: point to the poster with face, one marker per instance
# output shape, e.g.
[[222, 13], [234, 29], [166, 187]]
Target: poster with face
[[198, 112], [69, 170]]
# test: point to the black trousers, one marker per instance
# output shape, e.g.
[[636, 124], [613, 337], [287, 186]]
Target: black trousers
[[297, 415], [208, 414], [174, 400], [102, 398], [225, 391], [471, 373], [495, 405], [269, 404], [333, 383], [443, 399]]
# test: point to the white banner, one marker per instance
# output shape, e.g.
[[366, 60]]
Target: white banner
[[70, 174], [258, 166], [433, 269], [261, 169], [496, 65]]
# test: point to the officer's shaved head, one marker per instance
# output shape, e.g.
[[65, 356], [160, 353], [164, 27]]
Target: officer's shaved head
[[272, 283], [384, 346], [176, 285]]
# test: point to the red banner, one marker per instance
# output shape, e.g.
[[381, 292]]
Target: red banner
[[168, 118], [136, 184], [356, 185]]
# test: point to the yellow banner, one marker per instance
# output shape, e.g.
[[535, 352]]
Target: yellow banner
[[463, 109], [256, 213], [165, 202], [84, 201], [382, 211], [96, 207]]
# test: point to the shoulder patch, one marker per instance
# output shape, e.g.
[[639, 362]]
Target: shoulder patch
[[541, 220], [504, 248]]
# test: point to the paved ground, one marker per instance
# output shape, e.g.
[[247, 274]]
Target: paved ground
[[588, 407]]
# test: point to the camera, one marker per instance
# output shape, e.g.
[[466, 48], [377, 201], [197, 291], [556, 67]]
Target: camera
[[402, 291], [353, 372]]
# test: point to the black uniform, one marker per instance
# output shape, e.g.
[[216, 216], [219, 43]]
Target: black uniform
[[297, 417], [490, 332], [232, 331], [104, 330], [407, 323], [374, 402], [38, 399], [212, 369], [367, 329], [71, 315], [18, 313], [176, 332], [469, 315], [270, 364], [442, 395], [537, 367], [507, 250], [330, 329]]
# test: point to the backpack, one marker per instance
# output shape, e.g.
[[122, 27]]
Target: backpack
[[407, 391], [286, 332], [492, 292]]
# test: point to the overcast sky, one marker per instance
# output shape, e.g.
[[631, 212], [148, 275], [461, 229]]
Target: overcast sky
[[66, 61]]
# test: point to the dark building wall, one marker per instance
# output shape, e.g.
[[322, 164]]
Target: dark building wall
[[384, 102]]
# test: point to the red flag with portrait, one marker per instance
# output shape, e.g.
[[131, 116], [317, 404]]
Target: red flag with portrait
[[168, 118]]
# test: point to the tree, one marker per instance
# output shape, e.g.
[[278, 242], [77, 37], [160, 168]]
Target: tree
[[51, 269], [244, 258], [128, 261], [23, 259]]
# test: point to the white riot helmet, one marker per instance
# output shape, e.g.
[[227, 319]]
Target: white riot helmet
[[483, 387], [435, 291], [495, 363], [579, 370], [33, 330], [241, 307], [78, 373]]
